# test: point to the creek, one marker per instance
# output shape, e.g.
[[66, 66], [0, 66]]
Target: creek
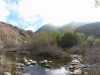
[[57, 66]]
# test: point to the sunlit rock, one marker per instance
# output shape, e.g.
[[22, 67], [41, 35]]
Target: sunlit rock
[[26, 74], [43, 62], [33, 62], [77, 72], [30, 60], [6, 73], [47, 66]]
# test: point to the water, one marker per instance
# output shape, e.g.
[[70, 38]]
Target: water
[[57, 66], [38, 70]]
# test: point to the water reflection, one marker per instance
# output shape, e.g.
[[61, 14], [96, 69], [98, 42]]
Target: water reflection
[[38, 70], [57, 66]]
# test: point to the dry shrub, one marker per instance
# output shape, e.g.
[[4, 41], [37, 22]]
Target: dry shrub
[[92, 54], [5, 63], [46, 49]]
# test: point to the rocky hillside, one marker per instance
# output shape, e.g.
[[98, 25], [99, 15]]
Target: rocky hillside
[[12, 36], [90, 29]]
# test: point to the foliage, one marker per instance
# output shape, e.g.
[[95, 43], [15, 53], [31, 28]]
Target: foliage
[[68, 29], [90, 40], [42, 37], [81, 37], [69, 39], [97, 3], [97, 41], [55, 36], [13, 73]]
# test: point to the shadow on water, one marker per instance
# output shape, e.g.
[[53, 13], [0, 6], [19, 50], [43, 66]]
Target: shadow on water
[[57, 66]]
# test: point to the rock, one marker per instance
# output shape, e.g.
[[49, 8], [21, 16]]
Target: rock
[[6, 73], [19, 73], [26, 74], [24, 60], [69, 73], [19, 64], [20, 68], [50, 61], [33, 62], [85, 73], [71, 67], [47, 66], [28, 63], [43, 62], [78, 72], [30, 60], [76, 61], [75, 56]]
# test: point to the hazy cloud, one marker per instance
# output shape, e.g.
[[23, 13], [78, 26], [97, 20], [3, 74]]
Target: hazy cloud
[[27, 13], [31, 28], [59, 12], [3, 10]]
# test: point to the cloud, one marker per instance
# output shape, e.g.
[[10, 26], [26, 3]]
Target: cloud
[[31, 28], [27, 13], [58, 12], [3, 10]]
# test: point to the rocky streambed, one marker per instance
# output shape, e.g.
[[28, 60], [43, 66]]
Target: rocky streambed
[[77, 67], [28, 66]]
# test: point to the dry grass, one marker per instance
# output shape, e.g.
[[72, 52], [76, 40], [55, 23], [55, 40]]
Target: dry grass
[[5, 63]]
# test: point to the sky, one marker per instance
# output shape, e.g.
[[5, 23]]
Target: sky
[[32, 14]]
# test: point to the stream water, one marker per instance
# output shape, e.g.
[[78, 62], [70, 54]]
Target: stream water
[[57, 66]]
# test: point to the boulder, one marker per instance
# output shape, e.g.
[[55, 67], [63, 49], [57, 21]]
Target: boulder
[[77, 72], [33, 62], [28, 63], [76, 61], [30, 60]]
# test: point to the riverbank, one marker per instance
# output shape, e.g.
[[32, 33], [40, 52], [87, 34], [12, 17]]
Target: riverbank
[[57, 63], [77, 66]]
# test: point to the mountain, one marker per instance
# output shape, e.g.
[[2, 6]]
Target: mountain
[[50, 27], [90, 29], [73, 25], [12, 36], [47, 28]]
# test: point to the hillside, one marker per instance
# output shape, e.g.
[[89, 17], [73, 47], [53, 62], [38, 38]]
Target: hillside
[[47, 28], [73, 25], [12, 36], [50, 27], [90, 29]]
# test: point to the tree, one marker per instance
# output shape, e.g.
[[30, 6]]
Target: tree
[[90, 40], [81, 37], [55, 36], [42, 37], [68, 29], [97, 3], [69, 39]]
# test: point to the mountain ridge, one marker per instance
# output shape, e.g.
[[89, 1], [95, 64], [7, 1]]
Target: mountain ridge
[[50, 27]]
